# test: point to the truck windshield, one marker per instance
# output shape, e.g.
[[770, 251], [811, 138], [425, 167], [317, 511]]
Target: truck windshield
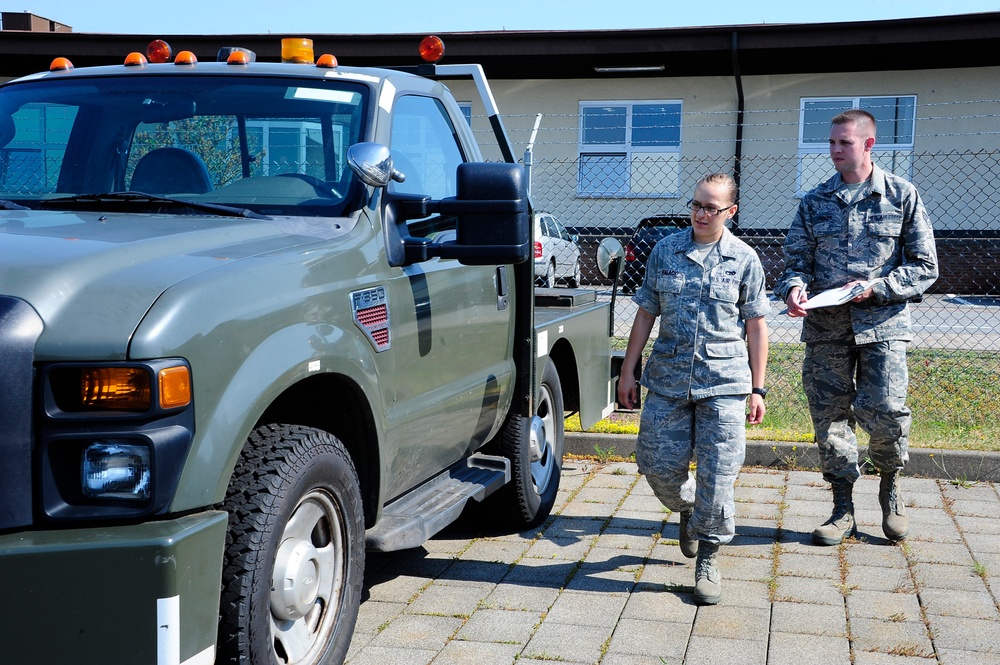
[[275, 146]]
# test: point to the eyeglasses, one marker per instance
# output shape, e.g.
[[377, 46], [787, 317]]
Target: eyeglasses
[[711, 211]]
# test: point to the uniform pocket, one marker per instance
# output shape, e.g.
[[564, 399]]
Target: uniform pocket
[[724, 292], [828, 233], [668, 288], [884, 230], [885, 225], [827, 227], [725, 349], [670, 284]]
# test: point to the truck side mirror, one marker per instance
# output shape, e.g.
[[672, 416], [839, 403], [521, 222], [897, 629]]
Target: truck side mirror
[[491, 208], [372, 163], [494, 222]]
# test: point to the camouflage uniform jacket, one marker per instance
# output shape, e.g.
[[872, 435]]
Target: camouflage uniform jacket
[[884, 236], [701, 348]]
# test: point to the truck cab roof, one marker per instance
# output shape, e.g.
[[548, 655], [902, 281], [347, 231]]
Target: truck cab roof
[[370, 75]]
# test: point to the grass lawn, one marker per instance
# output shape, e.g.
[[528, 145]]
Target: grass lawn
[[954, 396]]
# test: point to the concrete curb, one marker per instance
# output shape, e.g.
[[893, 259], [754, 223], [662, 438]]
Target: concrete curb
[[958, 465]]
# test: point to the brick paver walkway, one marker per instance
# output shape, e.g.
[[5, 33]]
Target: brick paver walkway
[[603, 581]]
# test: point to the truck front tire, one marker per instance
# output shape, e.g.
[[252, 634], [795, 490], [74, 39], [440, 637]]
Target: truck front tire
[[294, 563]]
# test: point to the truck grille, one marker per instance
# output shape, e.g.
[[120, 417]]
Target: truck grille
[[20, 327]]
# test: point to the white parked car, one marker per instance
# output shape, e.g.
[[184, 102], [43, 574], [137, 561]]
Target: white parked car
[[557, 256]]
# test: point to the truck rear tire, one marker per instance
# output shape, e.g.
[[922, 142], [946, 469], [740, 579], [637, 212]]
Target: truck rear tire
[[536, 460], [294, 563]]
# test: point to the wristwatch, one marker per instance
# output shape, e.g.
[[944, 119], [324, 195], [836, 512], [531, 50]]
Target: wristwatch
[[760, 391]]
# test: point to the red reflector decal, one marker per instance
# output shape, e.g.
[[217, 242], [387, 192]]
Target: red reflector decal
[[373, 316], [381, 338]]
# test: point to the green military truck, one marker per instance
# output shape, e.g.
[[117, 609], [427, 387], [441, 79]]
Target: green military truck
[[257, 318]]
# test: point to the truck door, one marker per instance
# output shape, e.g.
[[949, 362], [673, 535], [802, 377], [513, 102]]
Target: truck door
[[452, 350]]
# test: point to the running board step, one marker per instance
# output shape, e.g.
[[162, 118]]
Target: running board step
[[417, 515]]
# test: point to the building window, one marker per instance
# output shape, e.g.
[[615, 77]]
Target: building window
[[466, 108], [895, 125], [629, 149], [31, 160]]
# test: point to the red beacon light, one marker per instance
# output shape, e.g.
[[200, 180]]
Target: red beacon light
[[159, 51], [135, 59], [60, 65], [431, 49]]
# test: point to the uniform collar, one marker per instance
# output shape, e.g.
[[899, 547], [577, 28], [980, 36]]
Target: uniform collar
[[874, 184], [725, 244]]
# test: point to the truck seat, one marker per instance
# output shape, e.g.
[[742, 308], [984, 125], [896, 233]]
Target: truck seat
[[170, 171]]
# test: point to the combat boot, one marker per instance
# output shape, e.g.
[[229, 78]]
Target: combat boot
[[841, 523], [689, 545], [707, 578], [895, 524]]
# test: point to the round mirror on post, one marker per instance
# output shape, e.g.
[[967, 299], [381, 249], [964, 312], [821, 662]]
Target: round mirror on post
[[610, 254]]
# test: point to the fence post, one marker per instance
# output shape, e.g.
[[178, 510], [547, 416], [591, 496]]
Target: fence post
[[528, 152]]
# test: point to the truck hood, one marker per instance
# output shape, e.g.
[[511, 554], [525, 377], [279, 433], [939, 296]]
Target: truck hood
[[93, 276]]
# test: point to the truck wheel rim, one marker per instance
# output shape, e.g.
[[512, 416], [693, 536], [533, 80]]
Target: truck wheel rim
[[308, 579], [543, 428]]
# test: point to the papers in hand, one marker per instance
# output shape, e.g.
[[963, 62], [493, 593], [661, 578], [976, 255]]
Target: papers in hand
[[837, 296]]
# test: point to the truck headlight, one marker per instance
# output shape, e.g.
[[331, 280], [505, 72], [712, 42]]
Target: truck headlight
[[112, 437], [116, 471], [120, 388]]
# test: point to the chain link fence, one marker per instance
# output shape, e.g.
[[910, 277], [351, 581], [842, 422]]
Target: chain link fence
[[955, 355]]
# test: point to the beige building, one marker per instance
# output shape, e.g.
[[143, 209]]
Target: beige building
[[923, 116]]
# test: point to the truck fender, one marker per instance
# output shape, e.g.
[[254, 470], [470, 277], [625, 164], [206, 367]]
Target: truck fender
[[282, 360]]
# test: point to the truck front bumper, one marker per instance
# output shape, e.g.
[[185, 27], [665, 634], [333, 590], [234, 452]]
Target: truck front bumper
[[145, 593]]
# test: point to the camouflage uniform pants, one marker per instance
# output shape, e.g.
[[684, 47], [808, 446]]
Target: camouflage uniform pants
[[849, 384], [672, 431]]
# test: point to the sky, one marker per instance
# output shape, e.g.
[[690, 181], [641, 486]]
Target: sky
[[307, 17]]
